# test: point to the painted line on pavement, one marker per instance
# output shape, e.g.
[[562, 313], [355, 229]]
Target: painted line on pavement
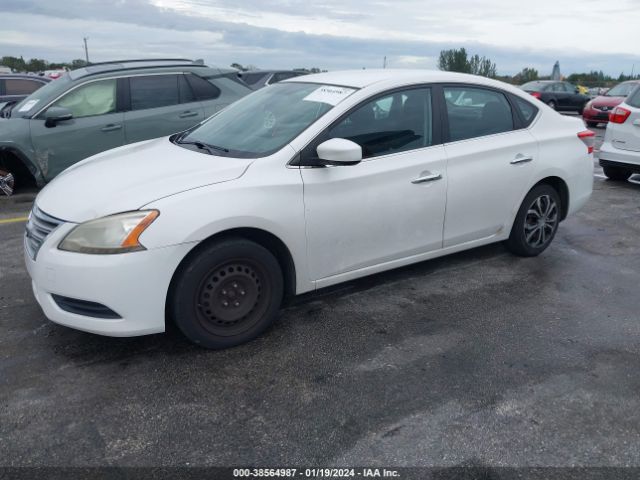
[[13, 220]]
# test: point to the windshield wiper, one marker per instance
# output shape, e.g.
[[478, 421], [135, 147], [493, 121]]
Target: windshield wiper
[[204, 146]]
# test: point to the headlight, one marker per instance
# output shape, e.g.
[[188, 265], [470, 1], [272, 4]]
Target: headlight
[[113, 234], [588, 105]]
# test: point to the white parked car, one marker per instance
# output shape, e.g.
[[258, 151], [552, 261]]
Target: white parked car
[[620, 151], [304, 184]]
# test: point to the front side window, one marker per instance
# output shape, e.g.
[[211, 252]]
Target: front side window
[[20, 86], [393, 123], [93, 98], [263, 122], [154, 91], [476, 112]]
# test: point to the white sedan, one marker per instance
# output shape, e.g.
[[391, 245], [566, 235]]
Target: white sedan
[[304, 184]]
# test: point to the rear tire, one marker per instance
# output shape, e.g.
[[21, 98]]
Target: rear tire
[[536, 222], [616, 174], [227, 294]]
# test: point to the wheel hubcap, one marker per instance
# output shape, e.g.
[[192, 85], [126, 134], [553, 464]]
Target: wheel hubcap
[[231, 298], [541, 221]]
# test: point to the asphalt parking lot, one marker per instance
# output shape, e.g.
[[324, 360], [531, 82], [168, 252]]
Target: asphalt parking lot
[[481, 358]]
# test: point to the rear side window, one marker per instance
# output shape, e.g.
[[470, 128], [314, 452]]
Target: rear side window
[[476, 112], [20, 86], [634, 98], [203, 89], [527, 110], [154, 91], [393, 123]]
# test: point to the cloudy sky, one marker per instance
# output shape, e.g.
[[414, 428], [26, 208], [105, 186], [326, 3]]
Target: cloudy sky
[[330, 34]]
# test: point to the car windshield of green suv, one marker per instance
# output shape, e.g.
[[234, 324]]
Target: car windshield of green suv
[[30, 105]]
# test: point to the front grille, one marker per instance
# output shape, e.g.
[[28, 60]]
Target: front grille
[[602, 108], [39, 226], [84, 307]]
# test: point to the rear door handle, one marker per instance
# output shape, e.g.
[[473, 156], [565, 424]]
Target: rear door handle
[[111, 127], [188, 114], [521, 159], [426, 177]]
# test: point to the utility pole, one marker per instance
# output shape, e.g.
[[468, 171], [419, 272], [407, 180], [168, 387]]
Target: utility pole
[[384, 62], [86, 50]]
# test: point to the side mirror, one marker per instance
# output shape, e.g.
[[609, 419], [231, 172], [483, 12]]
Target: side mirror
[[339, 151], [56, 114]]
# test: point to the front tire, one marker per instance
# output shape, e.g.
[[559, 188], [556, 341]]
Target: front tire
[[617, 174], [227, 293], [536, 222]]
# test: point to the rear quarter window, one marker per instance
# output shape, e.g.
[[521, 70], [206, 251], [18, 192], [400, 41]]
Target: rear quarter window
[[203, 89], [527, 110]]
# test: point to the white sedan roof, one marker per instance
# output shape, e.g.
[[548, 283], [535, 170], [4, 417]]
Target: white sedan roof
[[364, 78]]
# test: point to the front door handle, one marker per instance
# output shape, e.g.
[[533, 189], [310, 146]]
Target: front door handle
[[111, 127], [521, 159], [426, 177], [188, 114]]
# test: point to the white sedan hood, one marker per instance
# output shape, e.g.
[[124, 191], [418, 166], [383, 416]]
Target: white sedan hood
[[129, 177]]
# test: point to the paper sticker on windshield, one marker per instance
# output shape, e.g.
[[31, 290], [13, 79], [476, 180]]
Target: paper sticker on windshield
[[329, 94], [28, 105]]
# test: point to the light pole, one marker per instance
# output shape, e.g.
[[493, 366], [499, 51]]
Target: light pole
[[86, 50]]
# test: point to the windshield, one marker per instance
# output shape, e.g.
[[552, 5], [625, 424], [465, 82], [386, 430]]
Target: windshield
[[37, 99], [265, 121], [621, 90]]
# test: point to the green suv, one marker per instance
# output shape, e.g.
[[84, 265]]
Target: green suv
[[106, 105]]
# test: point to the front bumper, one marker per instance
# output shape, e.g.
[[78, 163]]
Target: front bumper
[[134, 285]]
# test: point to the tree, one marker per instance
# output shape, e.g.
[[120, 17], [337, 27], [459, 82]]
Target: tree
[[527, 75], [14, 63], [36, 65], [457, 60]]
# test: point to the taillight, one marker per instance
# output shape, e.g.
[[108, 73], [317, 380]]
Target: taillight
[[589, 139], [536, 94], [619, 115]]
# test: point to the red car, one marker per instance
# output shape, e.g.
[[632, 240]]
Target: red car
[[597, 110]]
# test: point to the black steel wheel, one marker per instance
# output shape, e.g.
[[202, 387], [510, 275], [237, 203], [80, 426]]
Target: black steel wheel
[[536, 222], [226, 293]]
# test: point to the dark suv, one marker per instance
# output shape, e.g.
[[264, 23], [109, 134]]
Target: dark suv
[[106, 105]]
